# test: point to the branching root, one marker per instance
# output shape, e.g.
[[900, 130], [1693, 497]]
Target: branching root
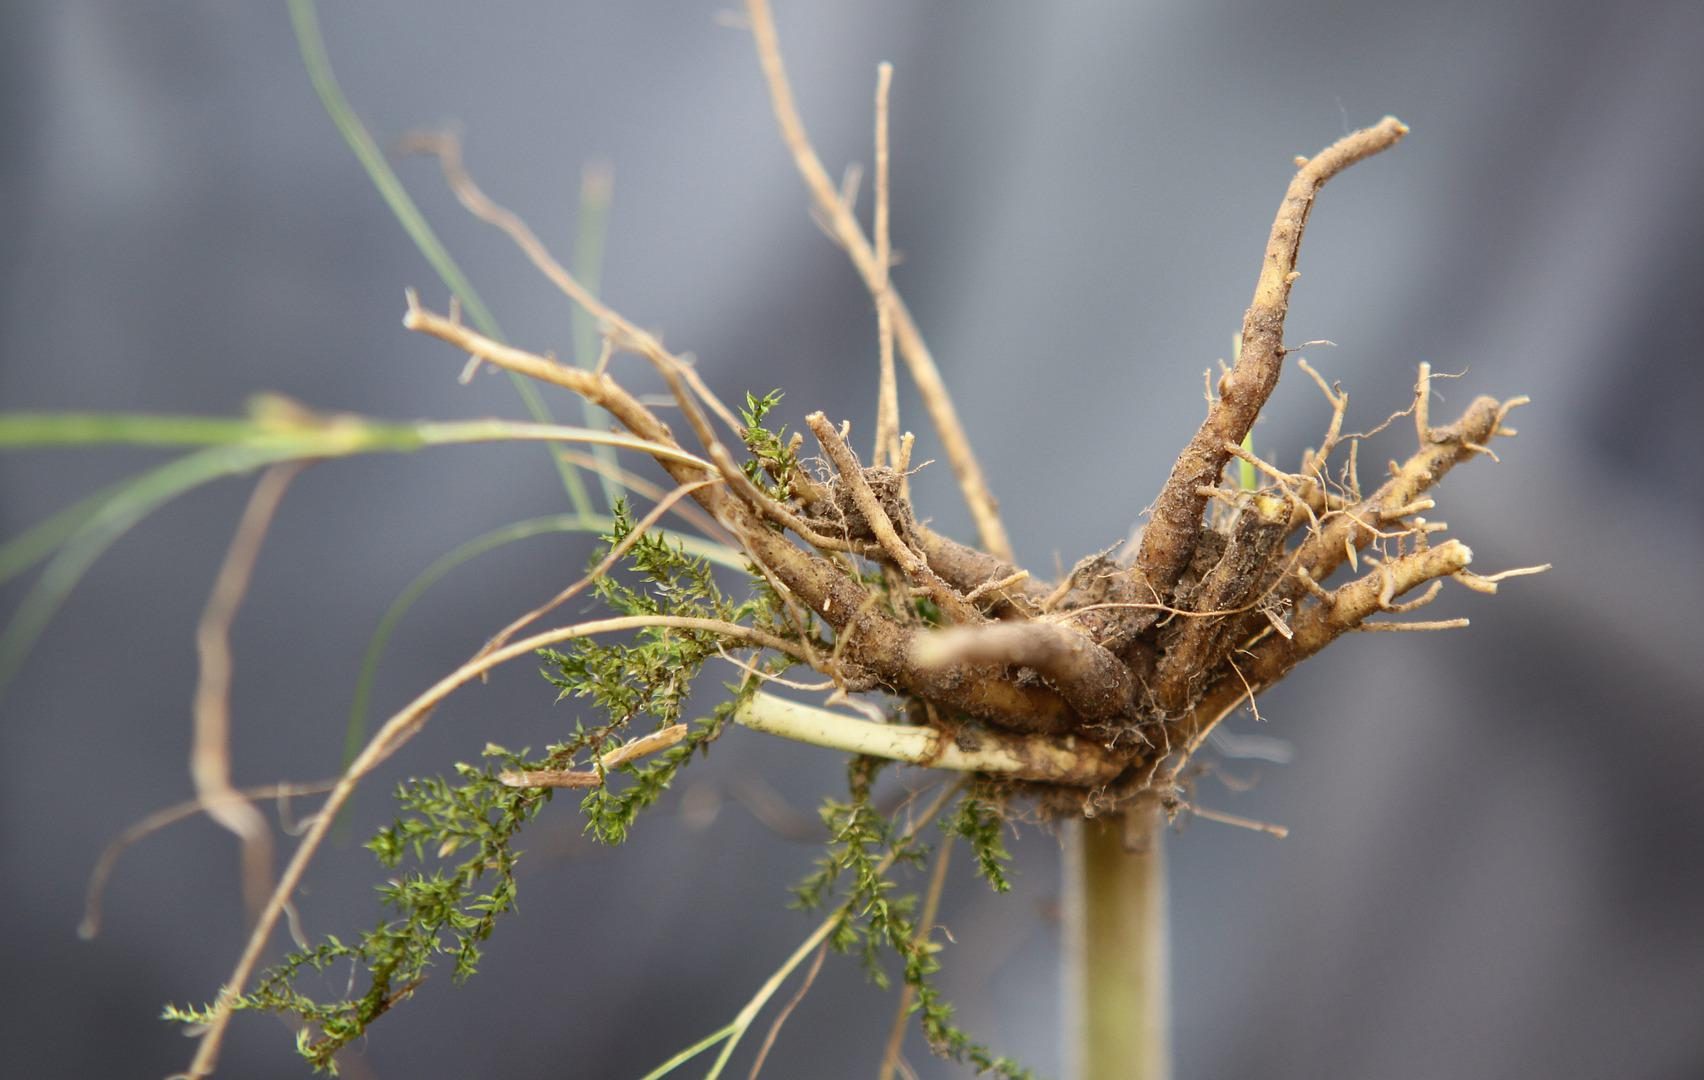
[[1139, 659]]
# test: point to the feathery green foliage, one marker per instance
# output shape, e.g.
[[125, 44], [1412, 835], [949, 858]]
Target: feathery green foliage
[[877, 918], [653, 674], [772, 461], [980, 824], [436, 909], [355, 732]]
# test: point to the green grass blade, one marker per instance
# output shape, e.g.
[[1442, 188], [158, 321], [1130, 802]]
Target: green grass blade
[[281, 426], [132, 502], [277, 431], [595, 197], [690, 1052], [356, 734], [305, 20], [23, 552], [22, 430]]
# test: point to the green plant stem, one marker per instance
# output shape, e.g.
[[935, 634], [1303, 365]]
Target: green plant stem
[[22, 552], [1116, 952], [355, 735], [1053, 759], [691, 1052], [741, 1023]]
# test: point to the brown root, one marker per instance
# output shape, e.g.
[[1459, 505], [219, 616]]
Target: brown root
[[1225, 593]]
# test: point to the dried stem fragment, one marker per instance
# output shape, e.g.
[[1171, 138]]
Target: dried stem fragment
[[210, 753], [556, 778]]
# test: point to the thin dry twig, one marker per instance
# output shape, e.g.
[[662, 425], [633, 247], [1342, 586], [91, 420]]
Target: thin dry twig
[[210, 753], [847, 232], [653, 436], [786, 1011], [689, 372], [886, 450], [599, 389], [650, 434], [632, 481], [1416, 627], [603, 567], [619, 331], [770, 677], [447, 149], [1237, 820], [101, 873]]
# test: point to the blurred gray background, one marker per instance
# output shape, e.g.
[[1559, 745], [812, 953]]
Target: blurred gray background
[[1494, 868]]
